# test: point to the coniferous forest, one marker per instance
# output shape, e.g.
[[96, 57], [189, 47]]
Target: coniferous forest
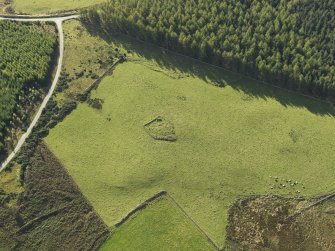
[[26, 52], [289, 43]]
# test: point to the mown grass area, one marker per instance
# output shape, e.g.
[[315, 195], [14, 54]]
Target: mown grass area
[[50, 6], [160, 226], [232, 140]]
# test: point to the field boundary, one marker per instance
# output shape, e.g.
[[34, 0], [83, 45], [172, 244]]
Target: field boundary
[[39, 219], [55, 15], [318, 202], [197, 226], [96, 83], [156, 196], [107, 231], [234, 72], [141, 206], [73, 181]]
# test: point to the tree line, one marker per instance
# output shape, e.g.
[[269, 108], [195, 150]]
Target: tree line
[[289, 43], [26, 52]]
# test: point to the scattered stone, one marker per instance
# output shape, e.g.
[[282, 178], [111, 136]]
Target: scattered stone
[[161, 129], [182, 98]]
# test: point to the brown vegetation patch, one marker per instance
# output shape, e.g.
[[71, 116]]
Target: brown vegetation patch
[[266, 223], [51, 214]]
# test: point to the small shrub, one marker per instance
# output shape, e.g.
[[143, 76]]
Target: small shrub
[[9, 10], [95, 103], [66, 109], [94, 75], [80, 74], [63, 82]]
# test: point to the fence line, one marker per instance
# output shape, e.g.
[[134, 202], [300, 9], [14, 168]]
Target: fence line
[[140, 207], [197, 226], [324, 199], [316, 98], [156, 196], [99, 79]]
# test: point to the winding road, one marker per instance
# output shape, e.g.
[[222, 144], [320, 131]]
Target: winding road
[[58, 21]]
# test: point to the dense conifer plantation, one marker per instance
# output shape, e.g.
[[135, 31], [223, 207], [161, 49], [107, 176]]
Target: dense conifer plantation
[[290, 43], [25, 56]]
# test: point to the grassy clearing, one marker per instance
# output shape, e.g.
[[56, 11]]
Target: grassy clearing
[[50, 6], [160, 226], [230, 140]]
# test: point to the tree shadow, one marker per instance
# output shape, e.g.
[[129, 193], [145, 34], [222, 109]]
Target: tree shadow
[[216, 75]]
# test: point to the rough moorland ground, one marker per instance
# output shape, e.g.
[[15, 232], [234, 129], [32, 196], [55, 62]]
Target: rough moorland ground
[[264, 223], [231, 139], [160, 226], [51, 213], [50, 6], [85, 58]]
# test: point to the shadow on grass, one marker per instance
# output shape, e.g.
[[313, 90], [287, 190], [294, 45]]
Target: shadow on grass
[[212, 74]]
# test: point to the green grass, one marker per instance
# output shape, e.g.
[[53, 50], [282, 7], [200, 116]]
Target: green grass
[[230, 140], [160, 226], [51, 6], [9, 181]]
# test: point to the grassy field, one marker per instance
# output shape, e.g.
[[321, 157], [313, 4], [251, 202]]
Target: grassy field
[[160, 226], [232, 141], [50, 6]]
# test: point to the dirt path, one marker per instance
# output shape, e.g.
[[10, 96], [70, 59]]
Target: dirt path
[[58, 21]]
